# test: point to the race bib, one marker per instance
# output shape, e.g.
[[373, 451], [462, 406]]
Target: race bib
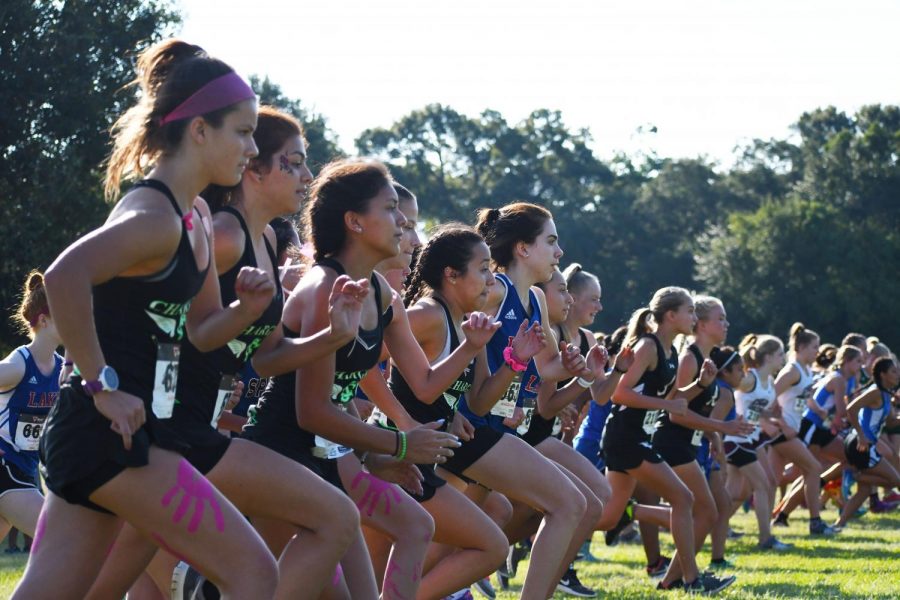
[[528, 405], [506, 406], [226, 387], [650, 421], [327, 449], [166, 379], [696, 438], [379, 418], [28, 431]]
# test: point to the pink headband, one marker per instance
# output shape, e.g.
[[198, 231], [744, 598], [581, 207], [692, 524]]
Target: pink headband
[[220, 92]]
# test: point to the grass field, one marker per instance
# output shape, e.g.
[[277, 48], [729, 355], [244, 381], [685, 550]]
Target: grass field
[[861, 562]]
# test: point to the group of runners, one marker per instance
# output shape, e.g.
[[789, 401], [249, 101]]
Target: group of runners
[[396, 421]]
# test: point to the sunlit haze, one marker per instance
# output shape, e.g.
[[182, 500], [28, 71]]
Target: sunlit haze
[[708, 74]]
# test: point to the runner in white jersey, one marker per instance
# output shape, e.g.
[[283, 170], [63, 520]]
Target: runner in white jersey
[[794, 387]]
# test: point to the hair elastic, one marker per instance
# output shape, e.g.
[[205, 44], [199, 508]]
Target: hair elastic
[[220, 92]]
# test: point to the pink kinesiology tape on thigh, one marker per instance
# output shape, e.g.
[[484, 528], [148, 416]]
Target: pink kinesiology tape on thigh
[[376, 489], [338, 573], [39, 531], [197, 489]]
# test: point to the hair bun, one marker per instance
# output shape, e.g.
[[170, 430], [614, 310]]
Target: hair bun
[[34, 281]]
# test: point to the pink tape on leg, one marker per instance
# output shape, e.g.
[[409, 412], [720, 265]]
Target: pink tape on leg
[[376, 489], [39, 530], [390, 591], [338, 574], [198, 489]]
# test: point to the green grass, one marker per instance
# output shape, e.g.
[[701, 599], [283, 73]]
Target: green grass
[[861, 562]]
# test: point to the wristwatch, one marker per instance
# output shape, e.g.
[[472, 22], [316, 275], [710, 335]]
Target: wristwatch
[[107, 381]]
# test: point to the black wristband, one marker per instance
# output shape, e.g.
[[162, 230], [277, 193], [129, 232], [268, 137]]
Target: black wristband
[[701, 386], [616, 369], [396, 443]]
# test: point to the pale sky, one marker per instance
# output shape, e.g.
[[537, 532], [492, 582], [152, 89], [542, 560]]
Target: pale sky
[[709, 74]]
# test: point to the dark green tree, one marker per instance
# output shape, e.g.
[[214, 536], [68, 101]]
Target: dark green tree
[[62, 69]]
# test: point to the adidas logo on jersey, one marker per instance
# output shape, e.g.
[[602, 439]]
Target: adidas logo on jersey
[[33, 380], [511, 315]]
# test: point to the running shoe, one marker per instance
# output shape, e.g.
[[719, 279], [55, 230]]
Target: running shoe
[[720, 563], [569, 584], [880, 506], [734, 535], [461, 595], [11, 551], [627, 517], [780, 521], [675, 585], [485, 588], [585, 553], [834, 491], [818, 527], [187, 583], [892, 497], [503, 577], [659, 568], [516, 553], [707, 585], [630, 535], [774, 543], [847, 481]]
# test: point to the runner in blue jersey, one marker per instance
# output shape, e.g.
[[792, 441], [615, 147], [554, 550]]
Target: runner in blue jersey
[[524, 250], [123, 297], [29, 387], [874, 461]]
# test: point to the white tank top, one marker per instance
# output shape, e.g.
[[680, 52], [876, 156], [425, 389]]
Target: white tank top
[[751, 404], [793, 400]]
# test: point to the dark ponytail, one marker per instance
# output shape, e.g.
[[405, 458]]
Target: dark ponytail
[[449, 245]]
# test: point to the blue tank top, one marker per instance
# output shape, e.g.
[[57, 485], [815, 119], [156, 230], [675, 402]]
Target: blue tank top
[[523, 391], [872, 420], [732, 412], [23, 410]]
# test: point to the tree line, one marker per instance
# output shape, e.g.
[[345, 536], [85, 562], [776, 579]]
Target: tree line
[[802, 228]]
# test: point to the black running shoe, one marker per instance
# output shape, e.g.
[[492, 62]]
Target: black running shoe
[[627, 517], [780, 521], [187, 583], [569, 584], [675, 585], [707, 584]]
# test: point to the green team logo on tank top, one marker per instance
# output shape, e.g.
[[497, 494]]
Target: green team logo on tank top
[[169, 317], [256, 333], [345, 384]]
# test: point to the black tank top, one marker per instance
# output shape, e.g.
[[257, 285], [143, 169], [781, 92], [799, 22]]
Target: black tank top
[[540, 428], [198, 395], [276, 412], [637, 424], [445, 406], [671, 433], [140, 318]]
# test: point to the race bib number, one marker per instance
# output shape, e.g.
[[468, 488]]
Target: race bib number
[[650, 421], [754, 410], [696, 438], [166, 380], [28, 431], [226, 387], [528, 405], [506, 406]]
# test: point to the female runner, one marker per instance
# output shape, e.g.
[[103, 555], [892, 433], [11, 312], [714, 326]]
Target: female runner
[[122, 298]]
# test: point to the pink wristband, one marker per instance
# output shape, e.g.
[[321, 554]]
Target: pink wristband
[[514, 363]]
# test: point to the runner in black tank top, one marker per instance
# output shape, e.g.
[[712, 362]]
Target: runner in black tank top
[[646, 388], [678, 444], [121, 296], [207, 378], [273, 421], [140, 322]]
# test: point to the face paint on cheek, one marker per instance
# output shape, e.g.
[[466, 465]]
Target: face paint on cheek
[[194, 487], [284, 164], [374, 492]]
